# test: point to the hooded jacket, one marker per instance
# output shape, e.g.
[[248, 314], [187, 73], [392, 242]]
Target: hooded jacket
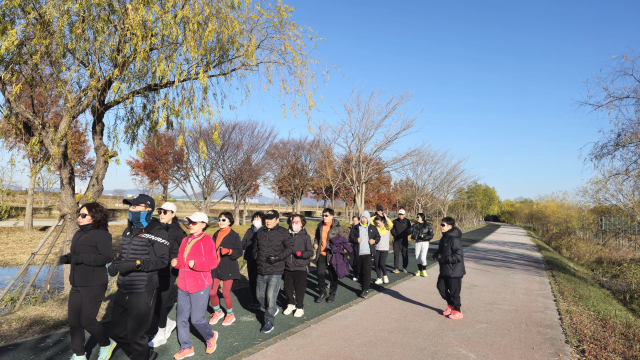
[[228, 268], [92, 249], [203, 254], [150, 245], [451, 254], [302, 244], [276, 241], [335, 231], [372, 232]]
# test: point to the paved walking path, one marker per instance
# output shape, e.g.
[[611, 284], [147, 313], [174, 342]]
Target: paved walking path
[[509, 309]]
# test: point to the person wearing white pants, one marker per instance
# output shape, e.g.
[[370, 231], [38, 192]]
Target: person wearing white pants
[[421, 233]]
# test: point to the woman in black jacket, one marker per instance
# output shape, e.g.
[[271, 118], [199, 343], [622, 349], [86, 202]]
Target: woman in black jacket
[[248, 242], [90, 253], [167, 276], [421, 233], [297, 265], [229, 250]]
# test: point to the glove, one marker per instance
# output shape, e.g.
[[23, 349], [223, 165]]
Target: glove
[[112, 270], [65, 259], [438, 257], [124, 266], [224, 251], [298, 253], [272, 259], [76, 259]]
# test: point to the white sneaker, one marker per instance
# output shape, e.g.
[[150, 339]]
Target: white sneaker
[[159, 339], [386, 279], [355, 279], [171, 325], [277, 311], [289, 309], [298, 313], [379, 281], [76, 357]]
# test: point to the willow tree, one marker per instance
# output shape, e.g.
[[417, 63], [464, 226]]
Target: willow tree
[[148, 65]]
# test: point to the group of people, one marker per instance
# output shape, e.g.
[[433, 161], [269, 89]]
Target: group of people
[[156, 252]]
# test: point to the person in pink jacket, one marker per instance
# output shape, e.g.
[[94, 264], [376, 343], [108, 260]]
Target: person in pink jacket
[[196, 258]]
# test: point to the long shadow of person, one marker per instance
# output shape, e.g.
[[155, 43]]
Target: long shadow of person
[[396, 295]]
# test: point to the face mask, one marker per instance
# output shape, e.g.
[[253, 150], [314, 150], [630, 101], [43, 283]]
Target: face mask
[[257, 224], [296, 227], [140, 219]]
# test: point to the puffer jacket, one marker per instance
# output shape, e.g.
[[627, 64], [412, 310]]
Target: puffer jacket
[[92, 250], [421, 232], [228, 268], [176, 235], [276, 241], [302, 244], [400, 230], [335, 231], [205, 259], [248, 241], [150, 245], [451, 254]]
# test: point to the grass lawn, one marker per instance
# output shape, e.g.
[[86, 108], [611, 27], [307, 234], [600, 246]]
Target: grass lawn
[[598, 326]]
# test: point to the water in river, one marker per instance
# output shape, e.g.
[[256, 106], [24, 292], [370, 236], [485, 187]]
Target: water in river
[[55, 285]]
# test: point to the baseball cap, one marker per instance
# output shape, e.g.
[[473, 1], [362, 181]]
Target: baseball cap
[[168, 206], [272, 214], [198, 217], [141, 199], [379, 208], [401, 212]]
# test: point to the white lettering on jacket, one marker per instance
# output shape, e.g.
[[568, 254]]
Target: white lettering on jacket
[[155, 238]]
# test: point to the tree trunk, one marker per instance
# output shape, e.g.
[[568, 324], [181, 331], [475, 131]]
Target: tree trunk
[[279, 202], [298, 202], [236, 209], [28, 214], [102, 152], [246, 210], [67, 205], [165, 192]]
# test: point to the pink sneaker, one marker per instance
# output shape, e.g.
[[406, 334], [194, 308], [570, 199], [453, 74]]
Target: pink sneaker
[[212, 343], [229, 320], [456, 315], [215, 317], [448, 310]]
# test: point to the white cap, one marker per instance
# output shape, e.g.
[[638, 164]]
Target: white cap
[[401, 212], [198, 217], [168, 206]]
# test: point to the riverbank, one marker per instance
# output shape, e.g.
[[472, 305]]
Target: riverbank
[[597, 325]]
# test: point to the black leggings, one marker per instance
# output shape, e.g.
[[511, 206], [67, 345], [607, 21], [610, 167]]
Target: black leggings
[[295, 281], [252, 270], [131, 316], [380, 263], [449, 289], [84, 304], [363, 265], [167, 280]]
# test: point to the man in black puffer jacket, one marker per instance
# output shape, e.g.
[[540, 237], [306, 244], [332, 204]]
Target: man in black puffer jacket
[[145, 250], [450, 256], [400, 241], [274, 244]]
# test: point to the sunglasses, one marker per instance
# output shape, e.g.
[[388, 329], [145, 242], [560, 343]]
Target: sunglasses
[[193, 222], [164, 212], [223, 220], [443, 225], [82, 215], [325, 215]]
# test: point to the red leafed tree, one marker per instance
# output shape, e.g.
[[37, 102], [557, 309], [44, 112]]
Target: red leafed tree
[[380, 192], [17, 133], [161, 146]]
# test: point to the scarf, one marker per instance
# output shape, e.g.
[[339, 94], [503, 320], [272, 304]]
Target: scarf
[[192, 239], [221, 234]]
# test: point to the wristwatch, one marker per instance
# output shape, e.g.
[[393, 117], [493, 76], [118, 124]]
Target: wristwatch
[[138, 266]]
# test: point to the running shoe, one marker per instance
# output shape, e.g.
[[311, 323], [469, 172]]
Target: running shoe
[[456, 315], [448, 310], [289, 309], [228, 320], [105, 351], [184, 353], [215, 317], [212, 343]]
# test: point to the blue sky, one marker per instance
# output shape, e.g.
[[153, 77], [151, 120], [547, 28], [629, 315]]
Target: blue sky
[[498, 80]]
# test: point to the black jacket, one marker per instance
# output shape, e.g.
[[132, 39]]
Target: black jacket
[[451, 254], [228, 268], [399, 230], [335, 231], [354, 234], [150, 245], [421, 232], [301, 243], [276, 241], [248, 241], [91, 250], [176, 235]]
